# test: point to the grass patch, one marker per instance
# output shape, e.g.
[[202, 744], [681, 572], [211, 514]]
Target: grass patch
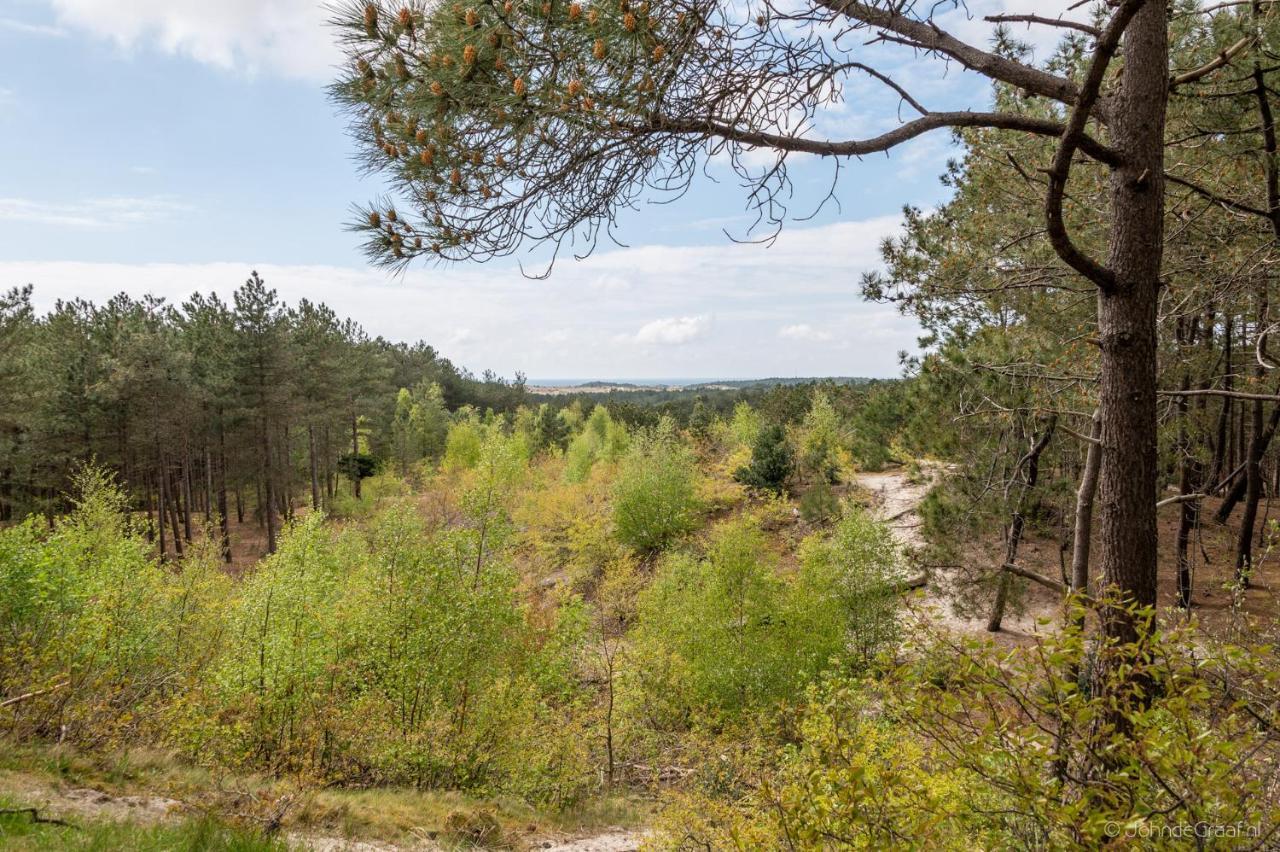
[[22, 831], [391, 814]]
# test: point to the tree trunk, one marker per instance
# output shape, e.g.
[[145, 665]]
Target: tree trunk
[[160, 507], [174, 511], [1082, 538], [1253, 490], [223, 522], [208, 486], [1127, 326], [268, 497], [148, 501], [1224, 416], [1030, 463], [1189, 478], [355, 452], [186, 493], [315, 471]]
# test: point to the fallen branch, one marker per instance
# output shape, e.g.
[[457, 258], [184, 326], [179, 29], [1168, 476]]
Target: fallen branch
[[18, 699], [35, 817], [1181, 498], [1025, 573]]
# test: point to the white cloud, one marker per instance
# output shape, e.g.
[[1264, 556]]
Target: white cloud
[[803, 331], [94, 213], [289, 37], [726, 301], [557, 336], [462, 337], [674, 330], [610, 284], [28, 28]]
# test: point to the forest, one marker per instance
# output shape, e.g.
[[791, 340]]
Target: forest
[[291, 586]]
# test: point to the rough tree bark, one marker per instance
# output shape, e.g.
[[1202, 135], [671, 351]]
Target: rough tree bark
[[1127, 324]]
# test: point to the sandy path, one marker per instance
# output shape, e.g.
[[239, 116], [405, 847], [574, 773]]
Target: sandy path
[[896, 499]]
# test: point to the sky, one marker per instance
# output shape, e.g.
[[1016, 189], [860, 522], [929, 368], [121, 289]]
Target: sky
[[172, 146]]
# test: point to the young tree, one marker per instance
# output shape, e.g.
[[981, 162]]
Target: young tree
[[771, 461]]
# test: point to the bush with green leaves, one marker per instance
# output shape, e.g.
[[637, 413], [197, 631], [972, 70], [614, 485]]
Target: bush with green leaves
[[420, 425], [725, 634], [602, 439], [772, 462], [654, 497], [463, 442], [858, 566], [94, 625], [975, 747], [820, 440], [745, 425]]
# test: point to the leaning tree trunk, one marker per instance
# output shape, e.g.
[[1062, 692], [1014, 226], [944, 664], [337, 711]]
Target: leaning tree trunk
[[1127, 326], [1221, 435], [1029, 469], [1257, 443], [1082, 537]]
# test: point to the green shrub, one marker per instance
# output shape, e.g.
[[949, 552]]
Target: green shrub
[[462, 445], [725, 634], [602, 439], [970, 746], [771, 461], [857, 565], [654, 500]]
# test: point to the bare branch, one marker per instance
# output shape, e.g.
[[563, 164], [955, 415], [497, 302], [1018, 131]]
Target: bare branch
[[1060, 171], [1223, 58], [928, 36], [883, 142], [1088, 29]]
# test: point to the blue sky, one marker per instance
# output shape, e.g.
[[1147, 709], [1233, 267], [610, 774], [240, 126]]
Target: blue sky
[[168, 146]]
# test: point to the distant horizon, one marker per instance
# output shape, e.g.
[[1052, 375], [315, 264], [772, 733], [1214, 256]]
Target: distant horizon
[[695, 380]]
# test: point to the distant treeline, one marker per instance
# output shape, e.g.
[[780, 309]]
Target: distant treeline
[[781, 401], [206, 408]]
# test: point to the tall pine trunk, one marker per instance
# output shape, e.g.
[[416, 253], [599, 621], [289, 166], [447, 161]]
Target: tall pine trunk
[[1127, 326]]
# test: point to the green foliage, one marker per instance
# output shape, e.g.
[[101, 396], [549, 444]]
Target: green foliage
[[463, 444], [771, 462], [356, 466], [1045, 763], [420, 425], [857, 566], [820, 440], [819, 503], [701, 419], [726, 635], [88, 615], [654, 499], [18, 831], [602, 439], [745, 425]]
